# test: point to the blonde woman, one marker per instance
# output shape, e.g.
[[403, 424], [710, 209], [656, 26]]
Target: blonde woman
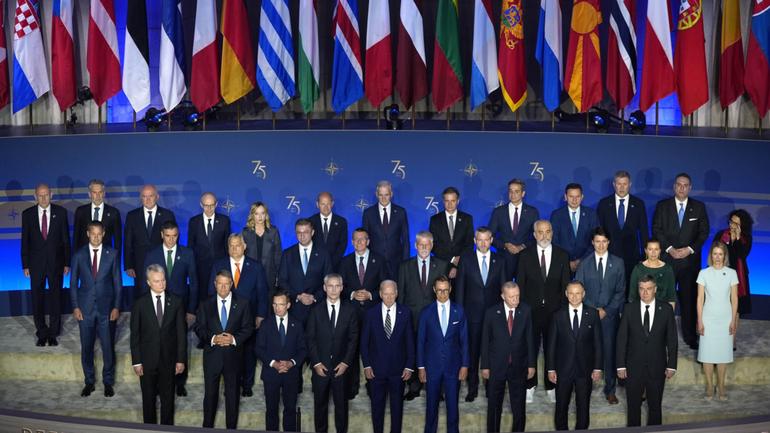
[[263, 242]]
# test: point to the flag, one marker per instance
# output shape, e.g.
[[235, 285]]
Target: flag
[[136, 56], [411, 69], [621, 52], [549, 52], [238, 72], [447, 83], [378, 72], [102, 57], [309, 63], [172, 65], [204, 80], [758, 58], [62, 54], [583, 79], [731, 54], [30, 77], [484, 68], [658, 61], [690, 57], [347, 77], [4, 90], [511, 62], [275, 56]]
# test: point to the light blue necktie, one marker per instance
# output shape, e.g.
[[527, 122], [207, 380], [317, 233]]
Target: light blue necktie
[[484, 269], [574, 224], [681, 213], [304, 262], [622, 213], [223, 315], [443, 319]]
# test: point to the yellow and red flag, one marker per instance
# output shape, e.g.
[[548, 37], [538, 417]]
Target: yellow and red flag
[[511, 60], [238, 72], [583, 78], [731, 58]]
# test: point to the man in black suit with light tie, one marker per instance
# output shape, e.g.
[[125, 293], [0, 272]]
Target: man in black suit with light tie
[[543, 276], [388, 228], [681, 225], [511, 226], [330, 231], [452, 231], [223, 322], [158, 346], [98, 210], [574, 356], [332, 339], [646, 352], [45, 255], [141, 234], [207, 235], [477, 287]]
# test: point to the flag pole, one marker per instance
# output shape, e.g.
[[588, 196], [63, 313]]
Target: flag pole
[[204, 120], [726, 119], [760, 126], [133, 120], [343, 118], [483, 111], [168, 118], [690, 122], [414, 122], [307, 115], [99, 115], [517, 120], [586, 120], [656, 118], [64, 120], [448, 117], [273, 120], [622, 120], [31, 125], [553, 121], [238, 115], [378, 116]]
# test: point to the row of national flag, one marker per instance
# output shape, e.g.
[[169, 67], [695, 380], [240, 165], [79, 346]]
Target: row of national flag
[[498, 59]]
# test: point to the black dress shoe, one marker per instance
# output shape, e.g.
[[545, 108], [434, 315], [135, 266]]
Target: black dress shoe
[[247, 392], [411, 395], [108, 391], [87, 390], [40, 342], [181, 391], [471, 396], [52, 341]]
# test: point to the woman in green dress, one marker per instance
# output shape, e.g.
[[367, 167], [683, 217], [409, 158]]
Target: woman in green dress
[[658, 269]]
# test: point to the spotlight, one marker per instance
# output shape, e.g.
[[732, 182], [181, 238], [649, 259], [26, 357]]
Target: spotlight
[[600, 119], [637, 121], [392, 113], [84, 94], [153, 118], [192, 122]]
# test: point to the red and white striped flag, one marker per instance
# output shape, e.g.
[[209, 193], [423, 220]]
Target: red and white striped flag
[[62, 54], [411, 72], [204, 83], [102, 56], [378, 70], [4, 87]]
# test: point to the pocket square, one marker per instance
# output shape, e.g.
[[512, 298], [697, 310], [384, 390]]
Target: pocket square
[[456, 322], [693, 219]]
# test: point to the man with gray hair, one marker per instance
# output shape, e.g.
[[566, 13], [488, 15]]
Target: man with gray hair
[[97, 210], [207, 236], [388, 228]]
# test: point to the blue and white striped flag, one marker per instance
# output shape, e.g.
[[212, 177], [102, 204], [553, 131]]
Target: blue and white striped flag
[[275, 57], [30, 77], [172, 64], [484, 68], [548, 52]]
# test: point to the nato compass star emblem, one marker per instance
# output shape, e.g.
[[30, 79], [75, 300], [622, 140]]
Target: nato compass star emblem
[[470, 169], [498, 204], [228, 205], [13, 214], [332, 169], [361, 205]]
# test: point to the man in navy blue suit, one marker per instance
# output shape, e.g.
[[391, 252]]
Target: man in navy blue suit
[[282, 349], [388, 228], [511, 226], [442, 355], [207, 235], [362, 272], [303, 268], [330, 230], [573, 224], [95, 285], [250, 284], [387, 352], [181, 278]]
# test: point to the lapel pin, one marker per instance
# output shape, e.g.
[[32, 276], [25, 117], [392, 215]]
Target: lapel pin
[[498, 311]]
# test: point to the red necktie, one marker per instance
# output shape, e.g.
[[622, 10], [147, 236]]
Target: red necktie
[[94, 268], [44, 226], [515, 226]]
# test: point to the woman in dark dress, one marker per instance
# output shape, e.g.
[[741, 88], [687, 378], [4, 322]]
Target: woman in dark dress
[[263, 242], [737, 237]]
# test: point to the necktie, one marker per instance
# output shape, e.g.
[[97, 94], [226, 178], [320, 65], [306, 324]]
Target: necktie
[[385, 219], [361, 270], [159, 310], [424, 275], [646, 322], [169, 262], [388, 324], [510, 322], [515, 226], [326, 229], [333, 318], [451, 227], [304, 262], [574, 223], [575, 323], [223, 315], [484, 270], [44, 226], [601, 268], [94, 268], [680, 215], [209, 229], [149, 223], [543, 270], [622, 213], [96, 214], [282, 332], [443, 319], [237, 276]]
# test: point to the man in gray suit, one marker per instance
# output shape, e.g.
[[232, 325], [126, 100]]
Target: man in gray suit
[[604, 277]]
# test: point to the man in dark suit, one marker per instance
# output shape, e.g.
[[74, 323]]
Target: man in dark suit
[[332, 338], [158, 346], [511, 226], [442, 355], [181, 278], [142, 233], [207, 235], [95, 285], [604, 279], [282, 349], [681, 225], [223, 322], [387, 352], [250, 284], [574, 356], [647, 352], [303, 268], [542, 278], [477, 287], [452, 231], [362, 272], [624, 218], [330, 231], [388, 228], [416, 278], [45, 256], [98, 210], [573, 224]]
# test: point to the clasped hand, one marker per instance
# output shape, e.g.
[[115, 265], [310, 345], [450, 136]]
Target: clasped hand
[[224, 339]]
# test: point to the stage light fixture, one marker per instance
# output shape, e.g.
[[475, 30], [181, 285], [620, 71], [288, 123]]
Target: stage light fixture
[[153, 118], [600, 119], [392, 113], [637, 121], [84, 94], [192, 121]]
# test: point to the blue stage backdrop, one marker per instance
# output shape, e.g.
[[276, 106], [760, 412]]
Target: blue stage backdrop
[[287, 170]]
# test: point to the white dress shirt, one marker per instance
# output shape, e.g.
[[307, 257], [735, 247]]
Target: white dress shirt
[[625, 205], [154, 211], [438, 310], [101, 211], [427, 267], [548, 253], [228, 301], [206, 220], [572, 314], [336, 310], [643, 308], [286, 328], [392, 309], [154, 297], [512, 210], [387, 210], [233, 268], [328, 219], [47, 217], [577, 215], [173, 254], [480, 256], [98, 249], [604, 258]]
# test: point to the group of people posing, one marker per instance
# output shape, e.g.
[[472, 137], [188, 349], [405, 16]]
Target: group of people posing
[[589, 286]]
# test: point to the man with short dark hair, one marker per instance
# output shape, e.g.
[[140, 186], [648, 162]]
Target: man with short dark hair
[[452, 231], [511, 226], [573, 224]]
